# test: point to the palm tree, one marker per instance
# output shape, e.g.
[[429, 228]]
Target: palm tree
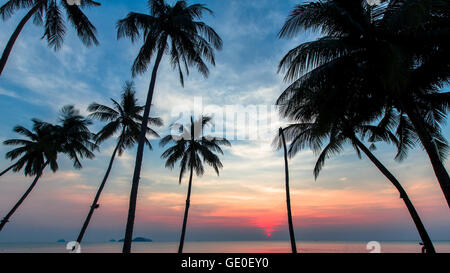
[[49, 11], [36, 153], [332, 110], [307, 134], [192, 149], [45, 141], [124, 117], [173, 30], [400, 58], [281, 142]]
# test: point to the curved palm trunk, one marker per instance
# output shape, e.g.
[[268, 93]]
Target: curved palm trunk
[[288, 196], [403, 195], [188, 198], [186, 212], [7, 170], [24, 196], [95, 204], [15, 35], [428, 143], [140, 154]]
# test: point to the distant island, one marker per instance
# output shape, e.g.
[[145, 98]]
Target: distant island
[[112, 241], [139, 240], [61, 241]]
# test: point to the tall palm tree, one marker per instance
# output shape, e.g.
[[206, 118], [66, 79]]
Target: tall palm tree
[[49, 12], [335, 111], [36, 153], [400, 57], [174, 30], [192, 149], [124, 117], [281, 142], [43, 144], [306, 134]]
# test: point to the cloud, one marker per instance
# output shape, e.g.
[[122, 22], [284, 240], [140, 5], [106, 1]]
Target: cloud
[[8, 93]]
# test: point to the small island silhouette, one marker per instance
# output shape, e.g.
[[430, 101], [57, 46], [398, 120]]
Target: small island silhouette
[[139, 240]]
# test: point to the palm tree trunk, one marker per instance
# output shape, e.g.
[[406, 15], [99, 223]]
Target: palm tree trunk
[[403, 195], [15, 35], [97, 196], [140, 154], [7, 170], [288, 196], [24, 196], [186, 212], [431, 149]]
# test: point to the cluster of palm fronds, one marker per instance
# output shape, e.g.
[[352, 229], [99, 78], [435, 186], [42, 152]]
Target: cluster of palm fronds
[[72, 137], [172, 29], [375, 74]]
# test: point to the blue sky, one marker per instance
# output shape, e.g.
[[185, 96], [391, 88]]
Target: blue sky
[[350, 201]]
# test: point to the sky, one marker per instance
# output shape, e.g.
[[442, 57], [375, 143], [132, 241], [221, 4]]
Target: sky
[[350, 200]]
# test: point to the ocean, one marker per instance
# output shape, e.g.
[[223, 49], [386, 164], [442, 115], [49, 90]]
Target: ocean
[[227, 247]]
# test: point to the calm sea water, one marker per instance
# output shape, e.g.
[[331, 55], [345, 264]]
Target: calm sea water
[[224, 247]]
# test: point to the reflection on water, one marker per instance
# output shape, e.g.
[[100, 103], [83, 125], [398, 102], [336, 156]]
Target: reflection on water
[[226, 247]]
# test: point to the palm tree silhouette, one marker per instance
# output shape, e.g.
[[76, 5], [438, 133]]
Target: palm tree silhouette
[[124, 117], [192, 149], [188, 42], [280, 141], [49, 11], [339, 114], [400, 59], [304, 132], [43, 144]]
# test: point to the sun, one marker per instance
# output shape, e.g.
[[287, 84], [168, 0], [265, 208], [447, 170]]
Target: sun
[[269, 235]]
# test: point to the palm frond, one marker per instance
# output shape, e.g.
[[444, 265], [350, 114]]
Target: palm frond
[[11, 6], [194, 150], [55, 29], [85, 29]]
